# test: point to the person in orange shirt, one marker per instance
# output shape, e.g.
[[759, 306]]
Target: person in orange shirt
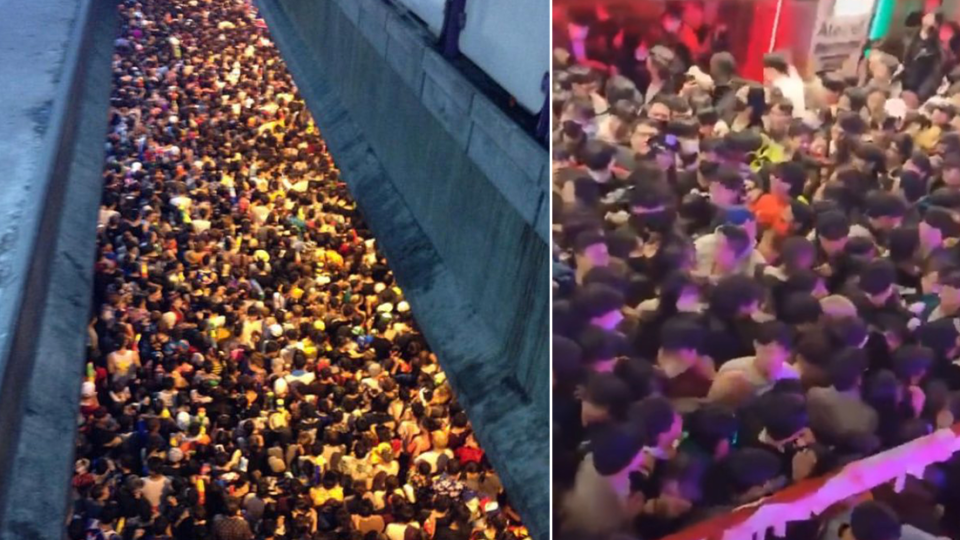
[[786, 183]]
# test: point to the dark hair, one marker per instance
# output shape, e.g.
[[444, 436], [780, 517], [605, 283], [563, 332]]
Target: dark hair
[[847, 367], [651, 418]]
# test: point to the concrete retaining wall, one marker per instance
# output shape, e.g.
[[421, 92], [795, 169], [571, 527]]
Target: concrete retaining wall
[[54, 89], [456, 195]]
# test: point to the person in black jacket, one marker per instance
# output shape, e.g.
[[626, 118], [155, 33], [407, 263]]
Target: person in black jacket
[[924, 58]]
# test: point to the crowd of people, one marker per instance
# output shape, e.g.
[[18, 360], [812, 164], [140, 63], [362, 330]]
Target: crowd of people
[[755, 283], [254, 370]]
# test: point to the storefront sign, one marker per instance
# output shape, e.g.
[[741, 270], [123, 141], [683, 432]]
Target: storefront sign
[[840, 31]]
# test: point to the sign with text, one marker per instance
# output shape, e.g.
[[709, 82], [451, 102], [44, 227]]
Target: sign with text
[[841, 29]]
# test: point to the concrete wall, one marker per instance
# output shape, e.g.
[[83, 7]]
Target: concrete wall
[[456, 195], [54, 89]]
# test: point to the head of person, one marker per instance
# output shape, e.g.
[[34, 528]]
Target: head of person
[[775, 67], [911, 363], [784, 416], [736, 297], [750, 474], [951, 171], [602, 305], [937, 225], [618, 451], [919, 163], [566, 360], [733, 247], [876, 99], [788, 179], [723, 68], [885, 210], [671, 21], [659, 425], [931, 22], [846, 369], [584, 81], [653, 208], [605, 399], [712, 429], [600, 348], [726, 186], [591, 249], [833, 231], [943, 114], [681, 339], [772, 344], [872, 520], [779, 115], [644, 132], [659, 111], [598, 158], [877, 280]]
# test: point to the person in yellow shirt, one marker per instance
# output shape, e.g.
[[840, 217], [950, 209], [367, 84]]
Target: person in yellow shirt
[[328, 489]]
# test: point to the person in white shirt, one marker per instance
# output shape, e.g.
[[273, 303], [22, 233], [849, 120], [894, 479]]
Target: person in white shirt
[[778, 73]]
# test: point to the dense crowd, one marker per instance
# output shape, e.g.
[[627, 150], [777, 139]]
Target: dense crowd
[[254, 370], [754, 283]]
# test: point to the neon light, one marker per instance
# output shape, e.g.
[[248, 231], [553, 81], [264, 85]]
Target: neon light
[[882, 19]]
